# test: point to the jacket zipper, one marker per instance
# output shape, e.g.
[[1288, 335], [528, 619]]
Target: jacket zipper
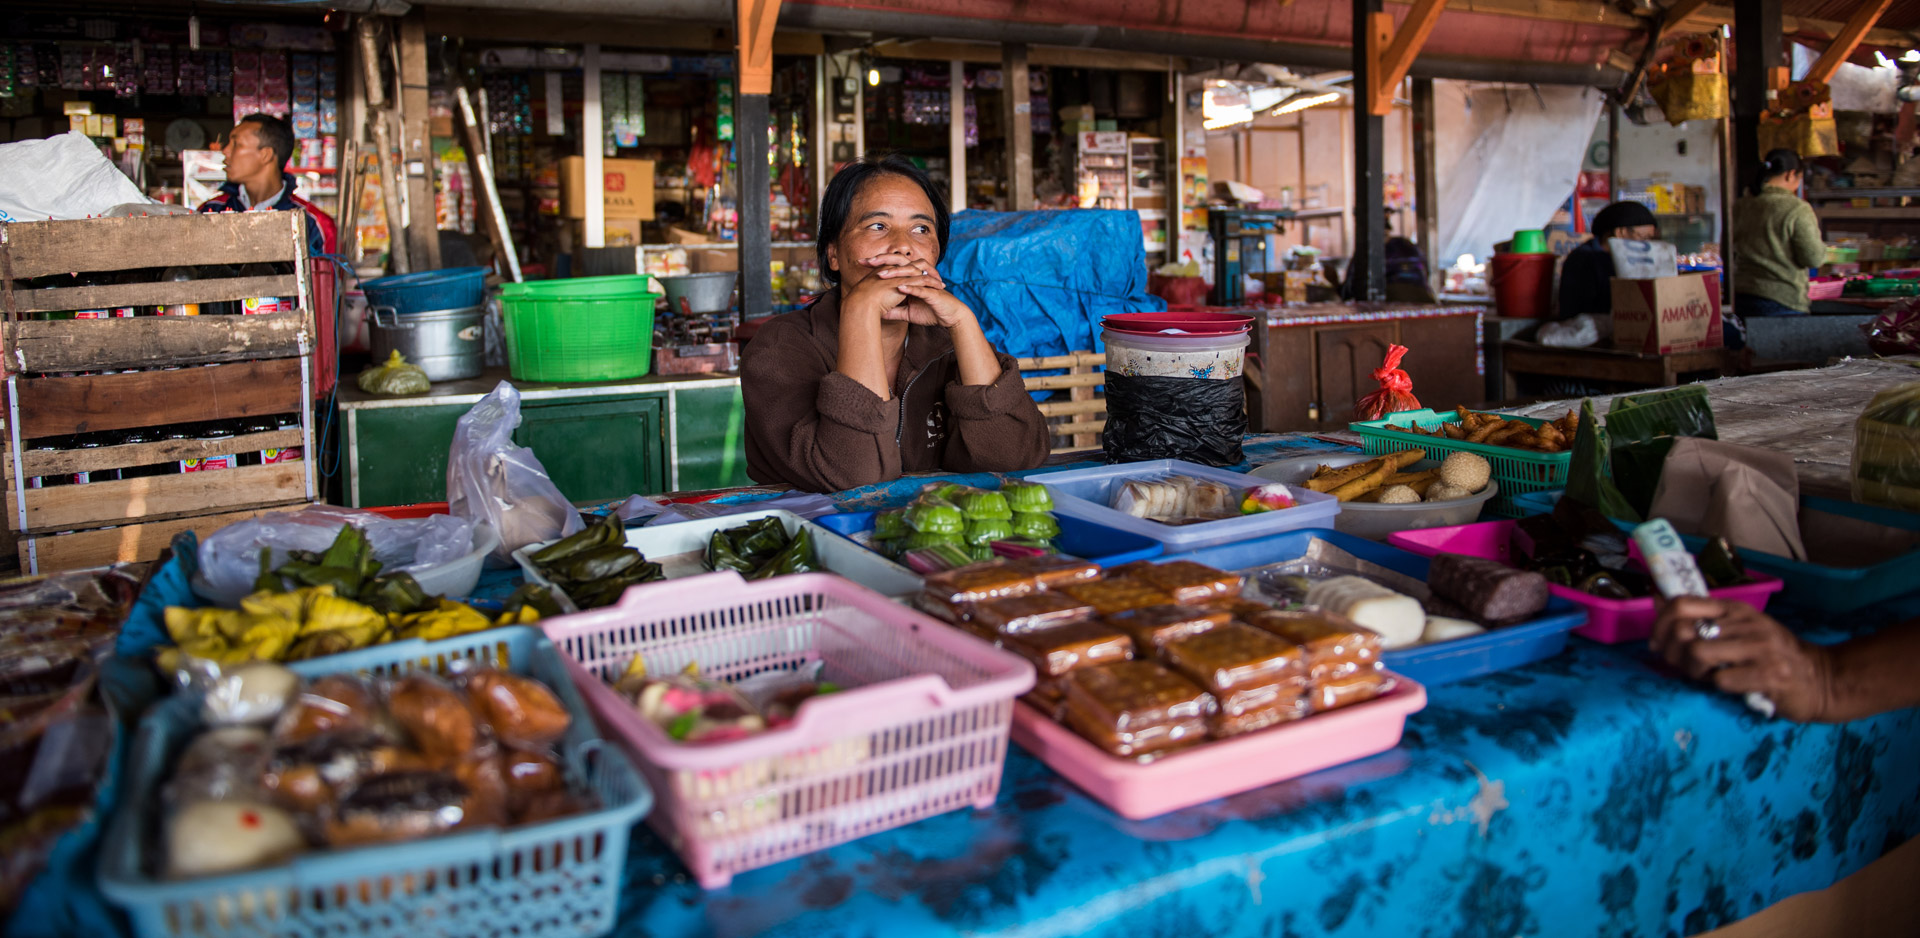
[[899, 427]]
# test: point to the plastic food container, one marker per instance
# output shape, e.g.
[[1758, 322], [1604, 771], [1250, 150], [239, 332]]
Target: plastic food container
[[1608, 620], [680, 548], [559, 877], [1086, 493], [1431, 664], [1078, 537], [1517, 470], [1884, 541], [454, 579], [1224, 767], [920, 730], [1375, 521], [1175, 356]]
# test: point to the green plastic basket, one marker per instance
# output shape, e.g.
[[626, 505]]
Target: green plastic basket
[[584, 329], [1518, 471]]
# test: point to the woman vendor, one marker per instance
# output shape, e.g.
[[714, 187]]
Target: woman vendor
[[1776, 238], [887, 372]]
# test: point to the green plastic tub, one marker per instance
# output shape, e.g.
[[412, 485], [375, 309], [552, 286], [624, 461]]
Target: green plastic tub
[[581, 329]]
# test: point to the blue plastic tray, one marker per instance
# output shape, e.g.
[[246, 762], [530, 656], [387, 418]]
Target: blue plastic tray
[[1813, 585], [1088, 493], [1435, 664], [559, 877], [1081, 538]]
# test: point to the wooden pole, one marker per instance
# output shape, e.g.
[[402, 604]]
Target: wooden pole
[[482, 162], [956, 135], [423, 227], [1426, 181], [752, 110], [378, 116], [1368, 270], [1756, 35], [1017, 96]]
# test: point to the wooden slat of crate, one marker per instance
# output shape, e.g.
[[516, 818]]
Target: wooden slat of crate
[[64, 507], [156, 293], [66, 461], [39, 248], [61, 406], [124, 544], [148, 341]]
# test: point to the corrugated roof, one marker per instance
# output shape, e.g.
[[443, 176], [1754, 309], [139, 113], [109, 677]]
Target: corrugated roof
[[1903, 14]]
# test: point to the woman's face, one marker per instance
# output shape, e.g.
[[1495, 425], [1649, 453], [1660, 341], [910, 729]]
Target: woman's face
[[890, 215]]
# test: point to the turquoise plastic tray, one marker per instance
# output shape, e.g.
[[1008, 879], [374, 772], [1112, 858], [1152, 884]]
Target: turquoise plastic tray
[[1812, 585], [559, 877], [1518, 471]]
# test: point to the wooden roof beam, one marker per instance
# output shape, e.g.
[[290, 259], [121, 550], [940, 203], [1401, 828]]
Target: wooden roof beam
[[756, 19], [1714, 15], [1395, 57], [1843, 45]]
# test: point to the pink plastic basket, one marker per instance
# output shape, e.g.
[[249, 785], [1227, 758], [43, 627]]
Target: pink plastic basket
[[920, 730], [1608, 620], [1224, 767]]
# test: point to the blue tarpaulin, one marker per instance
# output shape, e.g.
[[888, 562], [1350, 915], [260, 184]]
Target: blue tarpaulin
[[1040, 281]]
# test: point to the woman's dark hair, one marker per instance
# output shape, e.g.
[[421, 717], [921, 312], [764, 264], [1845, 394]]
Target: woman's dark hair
[[1778, 163], [837, 204]]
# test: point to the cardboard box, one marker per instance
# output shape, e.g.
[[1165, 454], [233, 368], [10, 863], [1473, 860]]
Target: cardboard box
[[628, 193], [712, 260], [1671, 314], [619, 232]]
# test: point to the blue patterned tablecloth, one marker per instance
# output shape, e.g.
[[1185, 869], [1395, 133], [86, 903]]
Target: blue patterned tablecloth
[[1589, 794]]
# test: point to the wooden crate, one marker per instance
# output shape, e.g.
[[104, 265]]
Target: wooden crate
[[88, 376], [1075, 423]]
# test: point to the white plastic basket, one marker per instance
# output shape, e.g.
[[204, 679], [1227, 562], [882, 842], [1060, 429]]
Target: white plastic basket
[[679, 549], [920, 729]]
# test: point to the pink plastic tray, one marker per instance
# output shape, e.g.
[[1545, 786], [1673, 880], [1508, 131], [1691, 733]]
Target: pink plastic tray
[[1224, 767], [1608, 620], [921, 730]]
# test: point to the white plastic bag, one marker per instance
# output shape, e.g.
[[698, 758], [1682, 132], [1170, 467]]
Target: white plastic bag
[[1579, 332], [62, 177], [490, 479], [1643, 260]]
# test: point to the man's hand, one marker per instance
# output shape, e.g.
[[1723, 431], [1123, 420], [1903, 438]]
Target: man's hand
[[1750, 653]]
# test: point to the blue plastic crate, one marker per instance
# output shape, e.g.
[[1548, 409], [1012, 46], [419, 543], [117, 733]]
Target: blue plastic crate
[[1813, 585], [1432, 665], [1088, 493], [559, 877], [1081, 538]]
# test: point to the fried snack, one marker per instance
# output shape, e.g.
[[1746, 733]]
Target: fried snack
[[1361, 486], [521, 710], [527, 774], [1128, 696], [1053, 571], [1327, 478], [333, 704], [1223, 726], [1324, 636], [1184, 580], [1153, 626], [397, 807], [1357, 687], [1110, 596], [1409, 478], [436, 716], [992, 579], [1020, 613], [1048, 697], [1234, 656], [488, 796], [1056, 650], [1454, 431], [1135, 708]]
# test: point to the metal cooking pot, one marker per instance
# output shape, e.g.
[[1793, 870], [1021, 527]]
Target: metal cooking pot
[[705, 293], [447, 344]]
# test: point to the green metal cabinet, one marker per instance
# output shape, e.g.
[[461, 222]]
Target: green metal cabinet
[[598, 442]]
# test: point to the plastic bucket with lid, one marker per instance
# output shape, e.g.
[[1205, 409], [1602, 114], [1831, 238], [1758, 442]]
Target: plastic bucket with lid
[[1522, 284], [447, 344], [428, 290], [1175, 356]]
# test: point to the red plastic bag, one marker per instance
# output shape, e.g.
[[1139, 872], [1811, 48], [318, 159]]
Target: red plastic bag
[[1896, 331], [1396, 389]]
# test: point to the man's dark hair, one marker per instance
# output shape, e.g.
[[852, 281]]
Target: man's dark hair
[[837, 204], [275, 134], [1621, 215]]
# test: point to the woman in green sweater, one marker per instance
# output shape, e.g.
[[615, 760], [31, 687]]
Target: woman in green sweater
[[1776, 239]]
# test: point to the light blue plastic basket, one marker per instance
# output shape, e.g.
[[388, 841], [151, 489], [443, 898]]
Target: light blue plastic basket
[[559, 877]]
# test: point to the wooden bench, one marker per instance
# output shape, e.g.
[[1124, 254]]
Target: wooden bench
[[1079, 420]]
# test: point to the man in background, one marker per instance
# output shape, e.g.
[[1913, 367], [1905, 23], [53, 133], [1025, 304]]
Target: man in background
[[257, 152], [1586, 277]]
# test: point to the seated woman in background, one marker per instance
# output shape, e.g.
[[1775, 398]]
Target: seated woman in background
[[1776, 238], [1586, 276], [886, 373]]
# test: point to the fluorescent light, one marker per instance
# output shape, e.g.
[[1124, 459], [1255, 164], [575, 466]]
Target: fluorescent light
[[1301, 104], [1881, 58], [1227, 120], [873, 76], [1913, 55]]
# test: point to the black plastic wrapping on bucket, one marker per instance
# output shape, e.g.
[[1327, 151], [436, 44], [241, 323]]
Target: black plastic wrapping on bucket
[[1199, 420]]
